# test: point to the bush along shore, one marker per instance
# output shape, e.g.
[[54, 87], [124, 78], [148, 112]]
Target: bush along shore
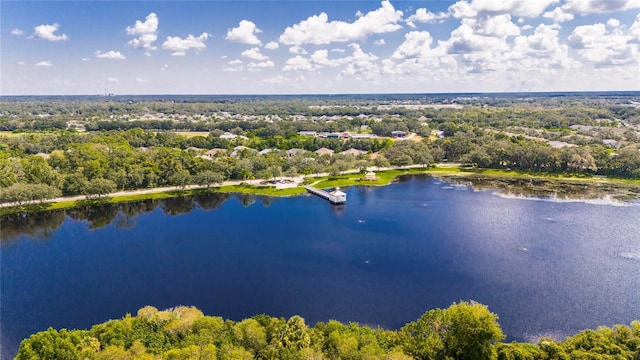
[[465, 330]]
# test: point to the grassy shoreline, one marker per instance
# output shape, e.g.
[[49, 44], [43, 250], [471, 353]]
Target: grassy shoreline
[[355, 179]]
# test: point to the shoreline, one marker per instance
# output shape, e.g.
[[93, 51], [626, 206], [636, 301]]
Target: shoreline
[[545, 184]]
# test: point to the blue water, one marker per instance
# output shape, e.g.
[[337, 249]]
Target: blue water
[[390, 254]]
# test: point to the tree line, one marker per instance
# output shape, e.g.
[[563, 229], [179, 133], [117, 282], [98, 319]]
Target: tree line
[[464, 331]]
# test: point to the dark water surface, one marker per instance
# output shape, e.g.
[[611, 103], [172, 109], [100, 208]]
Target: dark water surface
[[546, 268]]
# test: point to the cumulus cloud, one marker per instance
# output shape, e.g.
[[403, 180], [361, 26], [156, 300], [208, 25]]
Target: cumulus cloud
[[297, 50], [614, 23], [634, 30], [318, 30], [558, 15], [17, 32], [272, 45], [141, 80], [379, 42], [541, 50], [259, 65], [245, 33], [596, 45], [47, 32], [45, 63], [498, 26], [147, 32], [254, 54], [298, 63], [415, 43], [233, 65], [112, 80], [116, 55], [422, 15], [584, 7], [523, 8], [179, 46]]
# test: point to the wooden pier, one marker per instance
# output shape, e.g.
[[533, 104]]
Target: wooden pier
[[334, 197]]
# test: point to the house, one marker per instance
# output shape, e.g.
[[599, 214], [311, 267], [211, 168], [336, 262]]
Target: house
[[324, 151], [265, 151], [211, 153], [308, 133], [354, 152], [399, 134], [294, 151], [228, 136], [238, 149]]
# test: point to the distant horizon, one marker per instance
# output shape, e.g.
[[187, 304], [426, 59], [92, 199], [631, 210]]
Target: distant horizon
[[630, 92], [318, 47]]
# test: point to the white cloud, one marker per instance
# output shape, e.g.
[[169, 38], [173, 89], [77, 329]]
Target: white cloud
[[85, 59], [523, 8], [422, 15], [319, 31], [634, 30], [254, 54], [21, 63], [583, 7], [179, 46], [164, 67], [321, 58], [17, 32], [46, 32], [258, 66], [298, 63], [379, 42], [498, 26], [272, 45], [141, 80], [415, 43], [45, 63], [360, 64], [614, 23], [112, 80], [541, 50], [596, 45], [233, 65], [245, 33], [465, 40], [297, 50], [558, 15], [147, 31], [116, 55], [338, 50]]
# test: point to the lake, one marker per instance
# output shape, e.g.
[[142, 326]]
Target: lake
[[547, 268]]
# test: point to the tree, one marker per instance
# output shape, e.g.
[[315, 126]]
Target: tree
[[21, 193], [100, 187], [208, 178], [465, 331]]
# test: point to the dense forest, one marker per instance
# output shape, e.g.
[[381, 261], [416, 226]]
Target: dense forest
[[464, 331], [93, 146]]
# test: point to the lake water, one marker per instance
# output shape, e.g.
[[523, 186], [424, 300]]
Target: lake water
[[546, 268]]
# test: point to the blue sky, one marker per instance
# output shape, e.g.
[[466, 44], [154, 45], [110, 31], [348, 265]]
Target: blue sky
[[327, 47]]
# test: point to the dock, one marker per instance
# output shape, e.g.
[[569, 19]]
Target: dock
[[334, 197]]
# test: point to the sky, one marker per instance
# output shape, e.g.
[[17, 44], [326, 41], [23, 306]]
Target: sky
[[318, 47]]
